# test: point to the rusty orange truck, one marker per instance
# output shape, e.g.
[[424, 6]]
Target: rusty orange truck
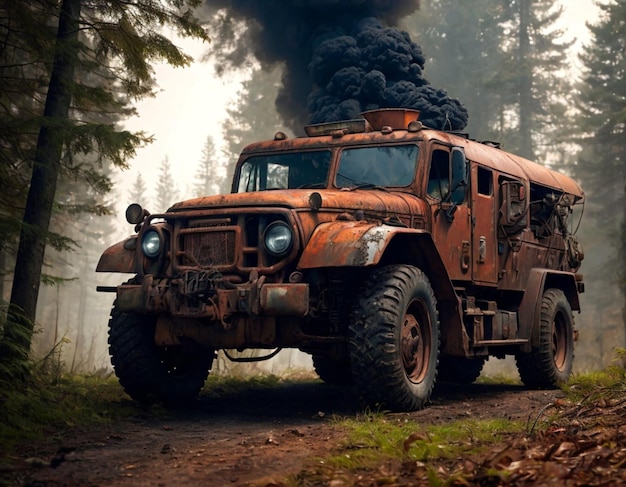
[[394, 254]]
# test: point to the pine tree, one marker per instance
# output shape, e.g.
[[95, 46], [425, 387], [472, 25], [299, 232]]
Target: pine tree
[[505, 61], [462, 43], [534, 76], [601, 124], [138, 192], [210, 176], [78, 63], [254, 116], [166, 190]]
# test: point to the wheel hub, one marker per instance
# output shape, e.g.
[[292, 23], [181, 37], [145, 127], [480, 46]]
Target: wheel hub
[[559, 344], [414, 349]]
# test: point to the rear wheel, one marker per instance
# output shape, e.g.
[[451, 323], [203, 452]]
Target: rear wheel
[[151, 374], [461, 370], [394, 342], [549, 365], [332, 371]]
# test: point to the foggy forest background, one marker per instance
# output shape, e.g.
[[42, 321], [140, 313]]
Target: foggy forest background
[[513, 72]]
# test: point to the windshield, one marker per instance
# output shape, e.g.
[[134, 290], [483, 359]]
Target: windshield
[[284, 171], [377, 166]]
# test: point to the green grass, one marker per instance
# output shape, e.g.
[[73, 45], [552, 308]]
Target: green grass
[[499, 379], [380, 446], [372, 438], [219, 385], [375, 439], [607, 383], [50, 402], [46, 406]]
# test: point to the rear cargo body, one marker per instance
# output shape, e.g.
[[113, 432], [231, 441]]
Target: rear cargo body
[[390, 252]]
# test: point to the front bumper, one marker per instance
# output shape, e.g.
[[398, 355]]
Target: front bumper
[[255, 297]]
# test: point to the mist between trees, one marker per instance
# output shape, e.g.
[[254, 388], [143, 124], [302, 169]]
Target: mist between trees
[[502, 69]]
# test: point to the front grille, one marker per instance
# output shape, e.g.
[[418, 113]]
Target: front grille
[[228, 243], [208, 247]]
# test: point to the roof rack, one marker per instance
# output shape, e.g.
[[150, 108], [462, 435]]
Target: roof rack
[[355, 126]]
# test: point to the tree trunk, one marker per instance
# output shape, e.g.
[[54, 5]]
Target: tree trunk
[[80, 321], [525, 94], [30, 255], [3, 272], [622, 275]]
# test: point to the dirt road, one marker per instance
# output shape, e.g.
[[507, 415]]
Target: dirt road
[[255, 437]]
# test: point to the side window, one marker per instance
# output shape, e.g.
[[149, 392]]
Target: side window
[[447, 179], [459, 176], [439, 176], [485, 181]]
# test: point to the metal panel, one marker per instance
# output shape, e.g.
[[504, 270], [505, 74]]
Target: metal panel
[[285, 299], [208, 246]]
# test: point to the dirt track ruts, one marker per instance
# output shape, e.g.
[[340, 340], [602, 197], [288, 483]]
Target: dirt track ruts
[[253, 437]]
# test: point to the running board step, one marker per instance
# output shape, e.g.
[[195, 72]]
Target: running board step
[[486, 325], [481, 308]]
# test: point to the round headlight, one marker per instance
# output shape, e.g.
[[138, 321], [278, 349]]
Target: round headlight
[[278, 238], [151, 243]]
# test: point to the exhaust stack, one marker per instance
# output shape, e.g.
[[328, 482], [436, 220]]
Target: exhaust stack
[[395, 118]]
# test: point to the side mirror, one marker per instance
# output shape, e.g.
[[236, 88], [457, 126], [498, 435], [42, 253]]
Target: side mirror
[[459, 176]]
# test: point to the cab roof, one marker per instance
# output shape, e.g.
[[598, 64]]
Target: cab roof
[[393, 126]]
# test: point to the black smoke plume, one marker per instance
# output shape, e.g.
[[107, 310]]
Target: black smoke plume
[[339, 57]]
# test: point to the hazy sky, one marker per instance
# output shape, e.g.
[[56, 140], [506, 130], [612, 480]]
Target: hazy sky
[[191, 104]]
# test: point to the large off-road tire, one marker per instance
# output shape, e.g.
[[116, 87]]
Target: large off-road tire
[[334, 372], [394, 339], [460, 370], [150, 374], [549, 365]]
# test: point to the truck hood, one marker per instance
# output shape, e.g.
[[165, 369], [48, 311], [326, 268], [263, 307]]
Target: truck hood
[[331, 199]]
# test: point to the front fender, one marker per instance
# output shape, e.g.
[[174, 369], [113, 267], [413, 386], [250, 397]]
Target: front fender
[[121, 257], [352, 244], [348, 244]]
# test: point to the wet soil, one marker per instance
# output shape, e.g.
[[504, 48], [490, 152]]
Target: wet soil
[[258, 437]]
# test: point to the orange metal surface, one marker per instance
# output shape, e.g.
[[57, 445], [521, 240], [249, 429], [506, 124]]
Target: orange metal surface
[[352, 244], [396, 118], [117, 259]]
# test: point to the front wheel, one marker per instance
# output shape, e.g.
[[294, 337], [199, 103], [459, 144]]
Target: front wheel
[[151, 374], [394, 339], [549, 365]]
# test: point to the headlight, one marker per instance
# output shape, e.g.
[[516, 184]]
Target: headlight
[[151, 244], [278, 238]]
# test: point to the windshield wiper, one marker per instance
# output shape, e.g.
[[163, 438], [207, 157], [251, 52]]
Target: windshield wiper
[[367, 186], [312, 186]]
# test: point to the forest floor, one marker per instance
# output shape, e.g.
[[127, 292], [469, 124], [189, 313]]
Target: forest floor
[[280, 436]]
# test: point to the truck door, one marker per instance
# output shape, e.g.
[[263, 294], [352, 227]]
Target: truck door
[[484, 245], [447, 195]]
